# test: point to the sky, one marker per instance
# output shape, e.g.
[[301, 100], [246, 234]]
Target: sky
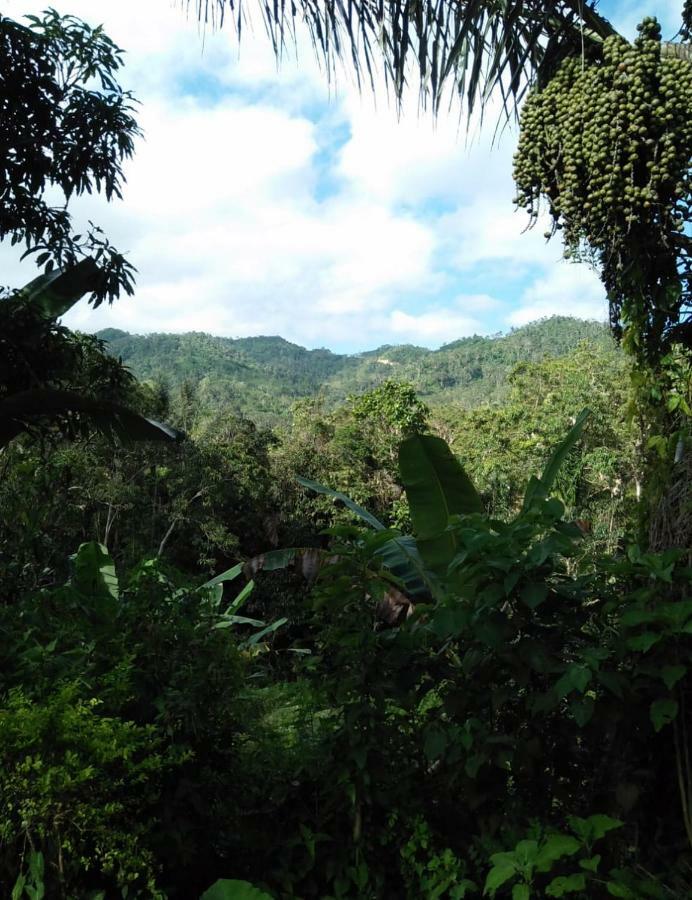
[[262, 200]]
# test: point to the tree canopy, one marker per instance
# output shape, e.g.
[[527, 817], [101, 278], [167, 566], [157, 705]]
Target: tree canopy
[[65, 123]]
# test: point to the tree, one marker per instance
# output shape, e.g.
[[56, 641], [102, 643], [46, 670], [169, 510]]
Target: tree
[[65, 123], [607, 145], [501, 445], [471, 48], [59, 131]]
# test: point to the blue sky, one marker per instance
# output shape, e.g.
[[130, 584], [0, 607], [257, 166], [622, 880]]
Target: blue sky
[[266, 202]]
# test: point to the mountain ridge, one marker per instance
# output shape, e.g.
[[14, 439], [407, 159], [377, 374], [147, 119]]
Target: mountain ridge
[[262, 376]]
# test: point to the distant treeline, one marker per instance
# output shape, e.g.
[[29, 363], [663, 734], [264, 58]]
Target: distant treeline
[[259, 377]]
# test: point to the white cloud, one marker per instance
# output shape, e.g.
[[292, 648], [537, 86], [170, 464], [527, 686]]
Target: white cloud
[[432, 328], [254, 204], [566, 290]]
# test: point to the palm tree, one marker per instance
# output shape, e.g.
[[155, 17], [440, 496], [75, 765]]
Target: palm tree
[[482, 49]]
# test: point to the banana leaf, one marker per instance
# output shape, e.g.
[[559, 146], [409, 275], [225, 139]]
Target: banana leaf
[[437, 487], [539, 488]]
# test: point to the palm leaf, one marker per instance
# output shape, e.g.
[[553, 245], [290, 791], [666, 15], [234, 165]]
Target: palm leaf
[[402, 558], [343, 498], [475, 46]]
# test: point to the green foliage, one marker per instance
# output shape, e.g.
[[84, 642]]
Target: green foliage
[[199, 507], [80, 786], [598, 482], [119, 719], [232, 889], [361, 754], [31, 883], [437, 488], [393, 406], [261, 377], [607, 143], [365, 718], [433, 690], [66, 124], [430, 874], [499, 692], [38, 387], [532, 865]]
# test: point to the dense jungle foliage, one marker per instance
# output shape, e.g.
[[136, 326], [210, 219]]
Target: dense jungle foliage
[[402, 644]]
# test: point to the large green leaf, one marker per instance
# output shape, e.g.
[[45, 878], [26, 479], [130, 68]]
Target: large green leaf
[[539, 488], [231, 889], [273, 560], [20, 411], [400, 554], [57, 291], [402, 558], [437, 487], [351, 504], [228, 575], [94, 571]]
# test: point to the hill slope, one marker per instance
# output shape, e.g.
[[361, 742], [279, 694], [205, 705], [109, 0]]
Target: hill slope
[[261, 377]]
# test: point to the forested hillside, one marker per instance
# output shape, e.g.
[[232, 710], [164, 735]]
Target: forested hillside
[[280, 624], [260, 376]]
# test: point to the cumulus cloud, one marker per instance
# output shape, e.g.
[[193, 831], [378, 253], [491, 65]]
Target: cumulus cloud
[[566, 290], [260, 202]]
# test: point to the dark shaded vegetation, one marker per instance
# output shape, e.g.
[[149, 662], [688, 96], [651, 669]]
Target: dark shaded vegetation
[[404, 645]]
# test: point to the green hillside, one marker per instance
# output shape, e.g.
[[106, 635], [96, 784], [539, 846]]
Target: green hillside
[[262, 376]]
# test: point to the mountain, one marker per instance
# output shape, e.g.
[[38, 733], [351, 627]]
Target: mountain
[[261, 377]]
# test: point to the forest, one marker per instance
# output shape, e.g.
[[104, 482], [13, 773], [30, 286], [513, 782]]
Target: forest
[[279, 623], [261, 377]]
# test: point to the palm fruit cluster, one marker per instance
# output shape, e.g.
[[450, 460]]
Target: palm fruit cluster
[[686, 29], [608, 144]]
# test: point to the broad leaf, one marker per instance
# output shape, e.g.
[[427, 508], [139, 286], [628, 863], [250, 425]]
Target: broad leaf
[[240, 598], [498, 875], [539, 488], [663, 712], [258, 636], [402, 558], [307, 560], [437, 487], [672, 674], [228, 575], [20, 411], [593, 828], [566, 884], [576, 678], [555, 847], [229, 620], [94, 571]]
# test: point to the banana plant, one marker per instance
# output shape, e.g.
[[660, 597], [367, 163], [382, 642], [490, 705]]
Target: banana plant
[[40, 405], [439, 492]]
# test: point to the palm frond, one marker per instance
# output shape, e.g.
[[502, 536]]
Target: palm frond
[[474, 47]]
